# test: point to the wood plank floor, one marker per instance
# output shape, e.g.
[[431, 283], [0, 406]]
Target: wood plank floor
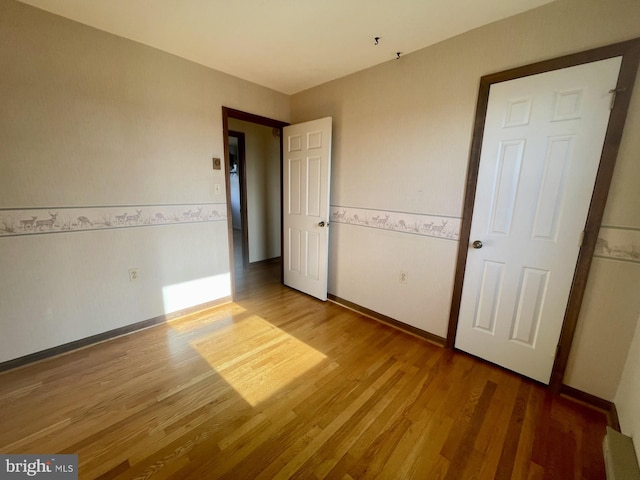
[[278, 385]]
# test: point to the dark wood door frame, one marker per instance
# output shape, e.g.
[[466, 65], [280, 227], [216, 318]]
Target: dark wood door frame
[[630, 53], [228, 113]]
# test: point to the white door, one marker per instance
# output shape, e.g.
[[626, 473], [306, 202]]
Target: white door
[[540, 153], [306, 173]]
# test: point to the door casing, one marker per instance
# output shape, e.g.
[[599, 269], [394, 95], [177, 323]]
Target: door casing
[[630, 52]]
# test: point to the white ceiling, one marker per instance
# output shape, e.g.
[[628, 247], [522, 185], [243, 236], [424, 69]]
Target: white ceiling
[[287, 45]]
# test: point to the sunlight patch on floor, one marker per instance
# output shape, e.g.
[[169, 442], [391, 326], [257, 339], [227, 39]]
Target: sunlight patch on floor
[[256, 358]]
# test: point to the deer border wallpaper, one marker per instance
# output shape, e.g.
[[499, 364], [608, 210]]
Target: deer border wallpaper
[[46, 220]]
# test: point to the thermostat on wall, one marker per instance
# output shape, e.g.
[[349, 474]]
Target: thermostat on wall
[[217, 165]]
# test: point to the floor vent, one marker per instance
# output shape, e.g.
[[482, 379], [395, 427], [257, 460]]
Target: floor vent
[[619, 456]]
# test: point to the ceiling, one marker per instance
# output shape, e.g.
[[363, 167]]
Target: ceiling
[[287, 45]]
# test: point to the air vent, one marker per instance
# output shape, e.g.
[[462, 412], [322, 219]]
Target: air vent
[[619, 457]]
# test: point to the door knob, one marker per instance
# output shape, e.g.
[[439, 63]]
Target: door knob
[[477, 244], [321, 224]]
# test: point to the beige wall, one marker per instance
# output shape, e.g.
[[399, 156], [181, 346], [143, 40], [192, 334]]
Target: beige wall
[[402, 134], [262, 152], [628, 395], [89, 120]]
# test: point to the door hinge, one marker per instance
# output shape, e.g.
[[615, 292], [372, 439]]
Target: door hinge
[[581, 239], [614, 93]]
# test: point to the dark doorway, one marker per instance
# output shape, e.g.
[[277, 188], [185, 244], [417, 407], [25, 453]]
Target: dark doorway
[[238, 194]]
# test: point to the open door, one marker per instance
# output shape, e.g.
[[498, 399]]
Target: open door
[[305, 184]]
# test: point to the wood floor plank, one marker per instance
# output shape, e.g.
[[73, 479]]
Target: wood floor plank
[[512, 439], [464, 451], [342, 442], [395, 404], [387, 379], [522, 465], [280, 385]]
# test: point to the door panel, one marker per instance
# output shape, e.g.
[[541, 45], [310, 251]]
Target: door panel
[[314, 184], [506, 185], [490, 288], [306, 174], [531, 295], [552, 188], [540, 154]]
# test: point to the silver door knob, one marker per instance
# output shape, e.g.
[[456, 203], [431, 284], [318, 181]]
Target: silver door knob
[[477, 244], [321, 224]]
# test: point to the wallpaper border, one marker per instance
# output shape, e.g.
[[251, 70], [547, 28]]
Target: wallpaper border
[[425, 225], [49, 220], [614, 242], [618, 243]]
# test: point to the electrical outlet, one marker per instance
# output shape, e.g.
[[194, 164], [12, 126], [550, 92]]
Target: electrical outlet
[[217, 189], [404, 277], [134, 274]]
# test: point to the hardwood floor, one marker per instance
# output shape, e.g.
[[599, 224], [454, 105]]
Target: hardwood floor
[[279, 385]]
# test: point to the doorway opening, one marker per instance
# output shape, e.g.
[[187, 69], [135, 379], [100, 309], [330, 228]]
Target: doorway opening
[[238, 195], [253, 162]]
